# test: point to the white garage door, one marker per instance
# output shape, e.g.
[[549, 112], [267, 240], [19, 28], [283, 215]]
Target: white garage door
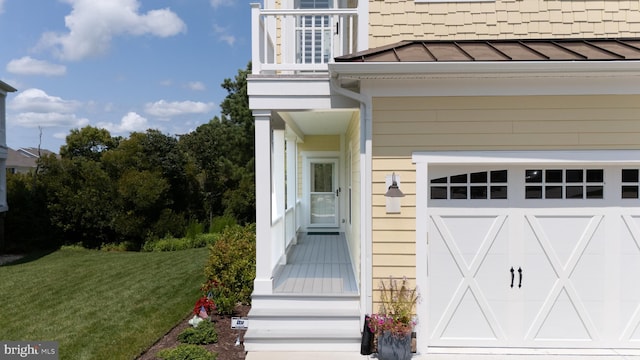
[[533, 256]]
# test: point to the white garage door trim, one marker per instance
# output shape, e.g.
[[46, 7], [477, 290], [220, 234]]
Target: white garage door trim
[[424, 160]]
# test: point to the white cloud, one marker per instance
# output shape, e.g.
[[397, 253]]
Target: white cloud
[[36, 119], [129, 123], [224, 35], [1, 6], [35, 108], [30, 66], [92, 25], [37, 101], [216, 3], [196, 85], [166, 109]]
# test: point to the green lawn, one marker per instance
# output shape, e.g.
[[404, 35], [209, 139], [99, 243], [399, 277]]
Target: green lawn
[[99, 305]]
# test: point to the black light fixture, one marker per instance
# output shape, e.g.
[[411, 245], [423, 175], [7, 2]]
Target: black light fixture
[[393, 196]]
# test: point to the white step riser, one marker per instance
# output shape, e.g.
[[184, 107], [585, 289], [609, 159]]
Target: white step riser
[[302, 323], [273, 303], [292, 346]]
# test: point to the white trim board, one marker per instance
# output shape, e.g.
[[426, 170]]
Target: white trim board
[[619, 157]]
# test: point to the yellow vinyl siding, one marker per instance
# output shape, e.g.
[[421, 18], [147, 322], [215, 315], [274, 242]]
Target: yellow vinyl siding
[[402, 126], [393, 21]]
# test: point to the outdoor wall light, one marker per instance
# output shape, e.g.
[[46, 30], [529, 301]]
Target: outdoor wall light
[[393, 196]]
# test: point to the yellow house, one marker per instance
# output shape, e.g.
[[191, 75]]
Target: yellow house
[[512, 128]]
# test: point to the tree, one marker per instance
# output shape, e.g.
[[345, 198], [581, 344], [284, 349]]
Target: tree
[[80, 199], [88, 142], [223, 151]]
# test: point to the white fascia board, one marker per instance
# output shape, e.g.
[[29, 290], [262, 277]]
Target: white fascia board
[[288, 85], [372, 70], [289, 92], [493, 78], [592, 157], [290, 102]]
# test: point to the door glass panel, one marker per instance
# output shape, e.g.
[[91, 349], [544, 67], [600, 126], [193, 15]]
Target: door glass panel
[[323, 200], [322, 178]]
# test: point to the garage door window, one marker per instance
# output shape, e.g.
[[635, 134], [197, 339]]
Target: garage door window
[[564, 183], [630, 183], [480, 185]]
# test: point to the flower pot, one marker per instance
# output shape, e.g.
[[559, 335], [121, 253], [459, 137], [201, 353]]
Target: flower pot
[[394, 347]]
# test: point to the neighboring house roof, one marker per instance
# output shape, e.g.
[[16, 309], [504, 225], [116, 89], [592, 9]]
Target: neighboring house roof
[[6, 87], [501, 50], [24, 158]]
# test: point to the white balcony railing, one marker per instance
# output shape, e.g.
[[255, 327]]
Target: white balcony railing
[[300, 40]]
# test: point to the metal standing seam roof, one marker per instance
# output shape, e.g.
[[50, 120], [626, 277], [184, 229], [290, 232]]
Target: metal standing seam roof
[[501, 50]]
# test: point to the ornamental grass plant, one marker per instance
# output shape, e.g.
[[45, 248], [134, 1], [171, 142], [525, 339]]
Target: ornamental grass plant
[[397, 305]]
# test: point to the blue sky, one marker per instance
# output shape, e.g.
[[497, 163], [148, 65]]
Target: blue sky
[[123, 65]]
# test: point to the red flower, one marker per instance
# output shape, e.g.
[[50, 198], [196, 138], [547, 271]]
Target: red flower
[[206, 303]]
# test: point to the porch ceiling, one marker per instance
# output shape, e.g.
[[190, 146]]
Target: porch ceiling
[[319, 122]]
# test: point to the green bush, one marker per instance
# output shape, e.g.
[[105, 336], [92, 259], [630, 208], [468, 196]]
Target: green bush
[[231, 267], [123, 246], [204, 333], [206, 239], [220, 223], [173, 244], [194, 228], [186, 352]]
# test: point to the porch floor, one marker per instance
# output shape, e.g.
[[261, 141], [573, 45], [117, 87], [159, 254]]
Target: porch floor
[[317, 264]]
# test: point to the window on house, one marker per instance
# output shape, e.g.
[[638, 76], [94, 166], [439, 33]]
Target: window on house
[[313, 33], [630, 183], [564, 183], [480, 185]]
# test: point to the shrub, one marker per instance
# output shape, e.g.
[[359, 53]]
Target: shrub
[[204, 333], [194, 228], [219, 223], [123, 246], [173, 244], [231, 267], [186, 352], [206, 239]]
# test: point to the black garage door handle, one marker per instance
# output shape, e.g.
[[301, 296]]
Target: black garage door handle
[[512, 275], [520, 273]]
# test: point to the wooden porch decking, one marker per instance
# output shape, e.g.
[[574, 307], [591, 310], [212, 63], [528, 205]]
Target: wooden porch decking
[[317, 264]]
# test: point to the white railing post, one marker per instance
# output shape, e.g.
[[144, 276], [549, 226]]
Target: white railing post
[[256, 43]]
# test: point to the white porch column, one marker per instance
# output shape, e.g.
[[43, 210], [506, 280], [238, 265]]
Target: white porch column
[[277, 203], [263, 281], [292, 182]]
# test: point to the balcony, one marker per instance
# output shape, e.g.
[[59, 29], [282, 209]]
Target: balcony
[[293, 41]]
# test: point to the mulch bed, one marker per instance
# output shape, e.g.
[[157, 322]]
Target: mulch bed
[[225, 347]]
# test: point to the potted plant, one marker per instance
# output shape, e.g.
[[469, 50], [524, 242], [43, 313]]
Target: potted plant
[[394, 323]]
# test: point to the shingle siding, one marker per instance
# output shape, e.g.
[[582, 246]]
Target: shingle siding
[[393, 21]]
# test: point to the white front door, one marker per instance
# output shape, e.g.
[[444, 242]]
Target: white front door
[[530, 256], [324, 193]]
